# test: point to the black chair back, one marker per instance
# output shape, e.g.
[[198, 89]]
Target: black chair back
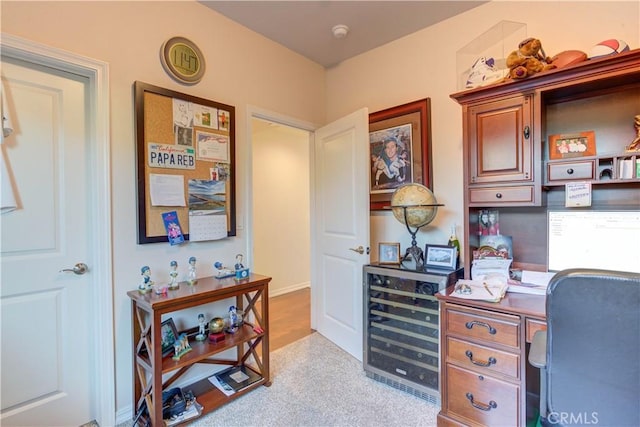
[[593, 348]]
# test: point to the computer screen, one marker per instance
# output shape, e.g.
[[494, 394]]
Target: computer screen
[[608, 240]]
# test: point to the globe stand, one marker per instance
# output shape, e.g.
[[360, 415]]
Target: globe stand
[[414, 251]]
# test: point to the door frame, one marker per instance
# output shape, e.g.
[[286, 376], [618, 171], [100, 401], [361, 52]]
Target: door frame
[[254, 112], [97, 73]]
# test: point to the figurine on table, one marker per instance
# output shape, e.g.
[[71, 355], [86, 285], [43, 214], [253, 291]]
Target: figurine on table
[[181, 346], [201, 326], [191, 276], [239, 265], [173, 274], [233, 320], [146, 283]]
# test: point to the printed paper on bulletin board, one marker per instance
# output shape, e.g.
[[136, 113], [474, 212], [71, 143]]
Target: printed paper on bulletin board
[[190, 146]]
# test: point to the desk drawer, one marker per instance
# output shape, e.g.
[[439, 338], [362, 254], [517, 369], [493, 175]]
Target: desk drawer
[[571, 170], [482, 398], [483, 359], [532, 326], [492, 328], [501, 195]]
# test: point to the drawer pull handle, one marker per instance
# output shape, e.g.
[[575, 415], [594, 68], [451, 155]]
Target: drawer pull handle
[[491, 361], [498, 195], [570, 171], [491, 329], [481, 406]]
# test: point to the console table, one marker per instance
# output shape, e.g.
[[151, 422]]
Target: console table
[[154, 373], [486, 379]]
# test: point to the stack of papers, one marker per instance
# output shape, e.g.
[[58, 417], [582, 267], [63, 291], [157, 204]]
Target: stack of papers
[[480, 290], [532, 282]]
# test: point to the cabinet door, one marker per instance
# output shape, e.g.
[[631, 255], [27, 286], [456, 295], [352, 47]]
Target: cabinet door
[[501, 141]]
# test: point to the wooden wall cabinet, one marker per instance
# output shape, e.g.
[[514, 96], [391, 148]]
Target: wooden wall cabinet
[[154, 373], [506, 129]]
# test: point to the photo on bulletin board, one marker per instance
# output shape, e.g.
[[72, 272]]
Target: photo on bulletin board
[[184, 142]]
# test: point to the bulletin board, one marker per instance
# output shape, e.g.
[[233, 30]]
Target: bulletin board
[[185, 148]]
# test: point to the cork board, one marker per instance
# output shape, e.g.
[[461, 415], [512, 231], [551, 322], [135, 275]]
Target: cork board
[[182, 141]]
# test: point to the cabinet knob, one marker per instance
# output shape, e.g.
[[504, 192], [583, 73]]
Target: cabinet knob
[[498, 195], [569, 171], [526, 132]]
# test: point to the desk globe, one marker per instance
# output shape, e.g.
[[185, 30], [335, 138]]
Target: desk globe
[[414, 205]]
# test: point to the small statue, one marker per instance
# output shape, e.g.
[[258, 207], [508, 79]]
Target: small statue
[[239, 265], [233, 320], [201, 326], [635, 144], [191, 276], [146, 283], [173, 274], [181, 346]]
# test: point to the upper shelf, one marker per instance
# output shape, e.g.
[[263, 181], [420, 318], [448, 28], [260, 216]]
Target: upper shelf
[[591, 75]]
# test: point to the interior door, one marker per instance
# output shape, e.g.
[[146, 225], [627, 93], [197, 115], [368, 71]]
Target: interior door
[[341, 234], [47, 346]]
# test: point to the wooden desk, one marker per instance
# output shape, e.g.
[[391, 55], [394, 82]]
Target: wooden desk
[[486, 378]]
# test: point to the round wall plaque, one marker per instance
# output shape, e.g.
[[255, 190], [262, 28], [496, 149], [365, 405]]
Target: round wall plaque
[[182, 60]]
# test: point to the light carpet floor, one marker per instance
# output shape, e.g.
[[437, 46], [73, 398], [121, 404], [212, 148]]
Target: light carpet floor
[[317, 384]]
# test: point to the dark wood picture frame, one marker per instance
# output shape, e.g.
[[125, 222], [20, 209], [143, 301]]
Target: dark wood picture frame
[[570, 145], [168, 330], [155, 126], [415, 116]]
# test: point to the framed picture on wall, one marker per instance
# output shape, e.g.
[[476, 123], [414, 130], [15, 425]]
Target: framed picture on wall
[[399, 149]]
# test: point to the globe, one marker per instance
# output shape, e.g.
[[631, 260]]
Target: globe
[[419, 203]]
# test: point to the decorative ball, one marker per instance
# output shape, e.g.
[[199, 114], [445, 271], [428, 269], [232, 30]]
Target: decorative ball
[[568, 57], [216, 325], [415, 200], [608, 47]]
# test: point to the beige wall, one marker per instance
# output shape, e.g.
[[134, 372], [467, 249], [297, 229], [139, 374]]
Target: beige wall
[[423, 64], [281, 202], [246, 69], [243, 69]]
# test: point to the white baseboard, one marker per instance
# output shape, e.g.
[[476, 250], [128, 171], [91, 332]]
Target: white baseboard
[[287, 289]]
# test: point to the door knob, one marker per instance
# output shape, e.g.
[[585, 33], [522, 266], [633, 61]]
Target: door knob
[[359, 249], [79, 269]]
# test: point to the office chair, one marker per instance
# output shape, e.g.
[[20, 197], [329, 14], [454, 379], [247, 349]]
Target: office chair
[[589, 356]]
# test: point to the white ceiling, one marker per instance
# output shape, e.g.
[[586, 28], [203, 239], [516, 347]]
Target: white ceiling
[[305, 26]]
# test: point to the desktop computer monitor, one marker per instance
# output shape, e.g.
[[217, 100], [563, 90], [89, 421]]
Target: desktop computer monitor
[[608, 240]]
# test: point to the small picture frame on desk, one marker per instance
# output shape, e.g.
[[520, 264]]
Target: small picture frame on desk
[[440, 256], [389, 253]]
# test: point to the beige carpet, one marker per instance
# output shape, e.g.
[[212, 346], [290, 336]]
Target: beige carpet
[[314, 384]]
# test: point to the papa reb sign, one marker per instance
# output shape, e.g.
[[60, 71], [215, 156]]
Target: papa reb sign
[[171, 156]]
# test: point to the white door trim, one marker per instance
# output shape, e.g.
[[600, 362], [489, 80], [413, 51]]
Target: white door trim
[[102, 263]]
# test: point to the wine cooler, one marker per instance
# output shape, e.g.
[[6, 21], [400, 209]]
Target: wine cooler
[[401, 327]]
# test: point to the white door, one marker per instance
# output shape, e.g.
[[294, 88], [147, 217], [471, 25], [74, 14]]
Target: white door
[[341, 229], [47, 327]]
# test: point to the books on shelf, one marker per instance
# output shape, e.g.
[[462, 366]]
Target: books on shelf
[[234, 379]]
